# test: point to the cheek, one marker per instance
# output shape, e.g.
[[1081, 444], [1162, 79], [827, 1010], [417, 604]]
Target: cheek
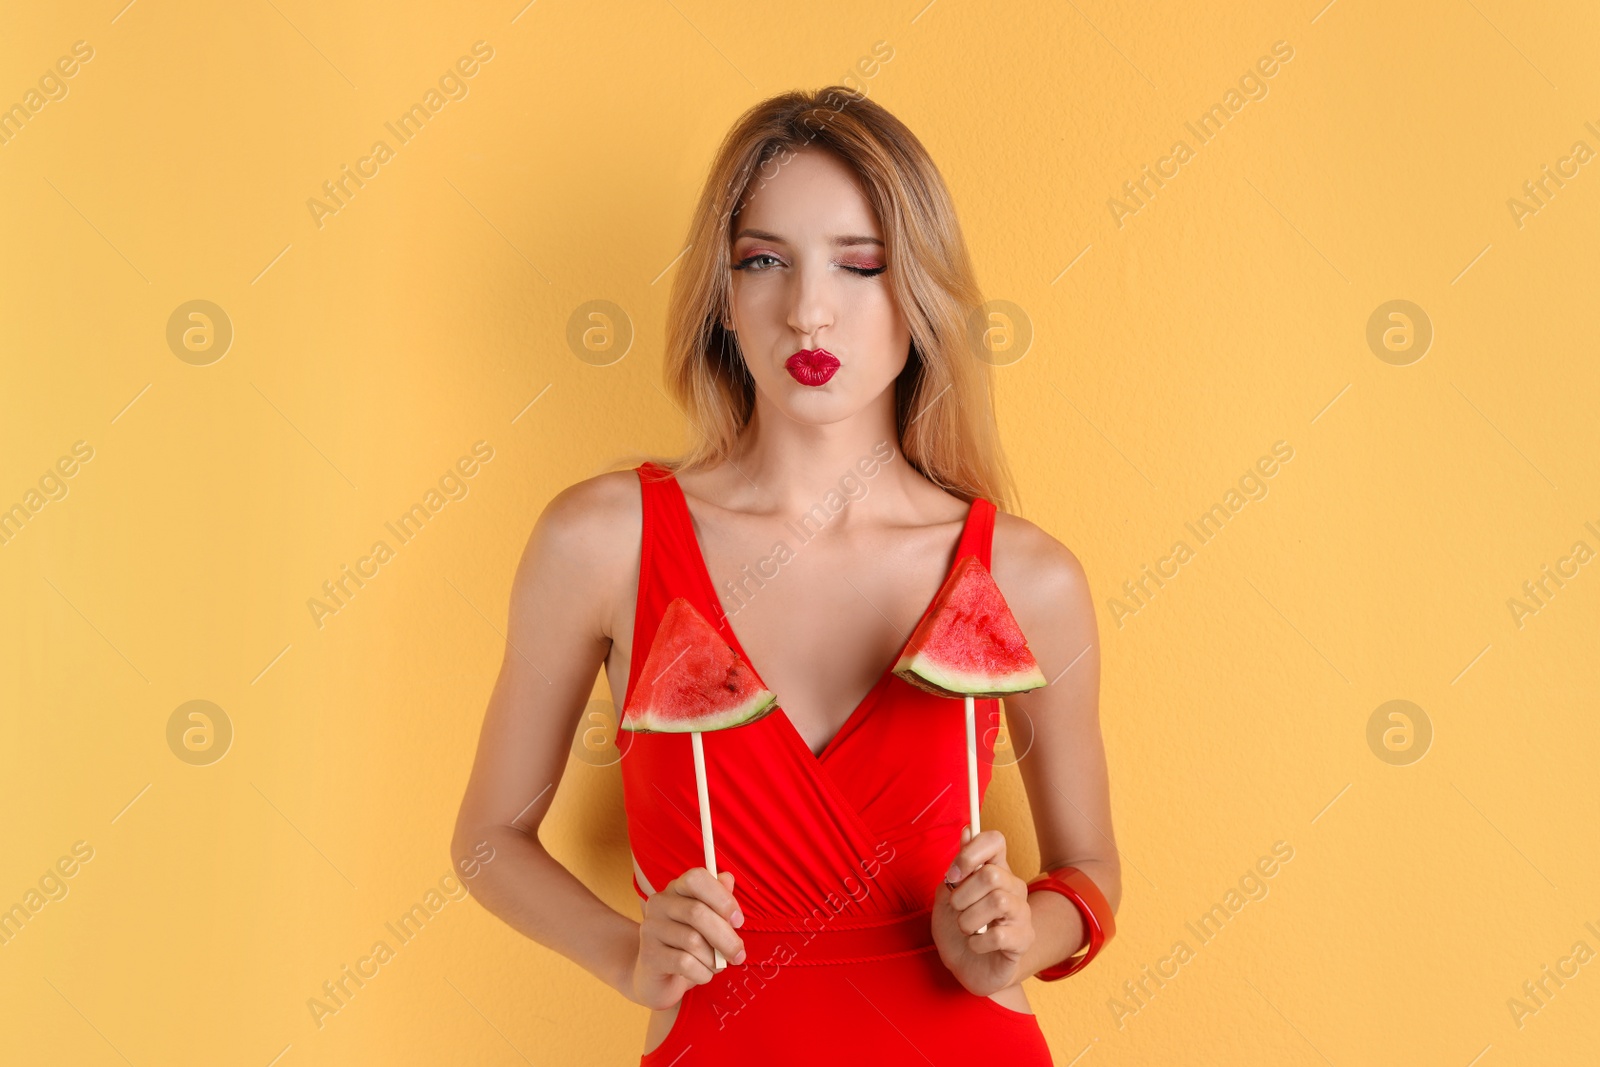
[[759, 312], [753, 299], [877, 322]]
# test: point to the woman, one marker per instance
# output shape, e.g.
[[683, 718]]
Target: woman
[[844, 457]]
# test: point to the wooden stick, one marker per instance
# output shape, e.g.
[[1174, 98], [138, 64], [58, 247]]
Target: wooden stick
[[972, 771], [972, 763], [705, 823]]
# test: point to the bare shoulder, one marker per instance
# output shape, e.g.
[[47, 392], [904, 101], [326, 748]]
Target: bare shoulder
[[584, 547], [1041, 578], [592, 507]]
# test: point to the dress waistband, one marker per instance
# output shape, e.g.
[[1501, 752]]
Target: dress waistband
[[812, 941]]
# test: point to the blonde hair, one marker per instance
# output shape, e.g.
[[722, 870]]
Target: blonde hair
[[944, 404]]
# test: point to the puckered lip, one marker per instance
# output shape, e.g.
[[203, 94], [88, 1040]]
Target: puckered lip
[[818, 358]]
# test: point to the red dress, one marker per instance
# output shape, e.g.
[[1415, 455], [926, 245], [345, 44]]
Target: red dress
[[837, 856]]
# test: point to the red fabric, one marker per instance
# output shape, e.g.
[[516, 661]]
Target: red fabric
[[837, 857]]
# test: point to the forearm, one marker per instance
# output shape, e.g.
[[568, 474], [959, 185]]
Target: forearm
[[1058, 927], [1057, 931], [535, 895]]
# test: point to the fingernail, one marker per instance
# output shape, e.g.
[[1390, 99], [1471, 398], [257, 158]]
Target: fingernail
[[740, 957], [953, 873], [738, 917]]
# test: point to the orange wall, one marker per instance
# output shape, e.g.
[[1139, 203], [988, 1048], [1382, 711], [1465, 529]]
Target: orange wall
[[1236, 313]]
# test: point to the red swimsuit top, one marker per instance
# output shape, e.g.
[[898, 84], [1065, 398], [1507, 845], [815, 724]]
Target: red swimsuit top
[[868, 827]]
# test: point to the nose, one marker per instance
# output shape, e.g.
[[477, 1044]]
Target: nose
[[811, 302]]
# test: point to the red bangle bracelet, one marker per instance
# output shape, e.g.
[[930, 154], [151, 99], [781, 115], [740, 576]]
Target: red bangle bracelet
[[1098, 923]]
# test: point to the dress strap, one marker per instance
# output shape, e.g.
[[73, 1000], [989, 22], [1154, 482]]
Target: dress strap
[[669, 558], [649, 604], [977, 537]]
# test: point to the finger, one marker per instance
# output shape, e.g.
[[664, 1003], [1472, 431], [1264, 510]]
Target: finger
[[698, 916], [1006, 938], [981, 882], [682, 962], [679, 937], [717, 893], [988, 847], [995, 906]]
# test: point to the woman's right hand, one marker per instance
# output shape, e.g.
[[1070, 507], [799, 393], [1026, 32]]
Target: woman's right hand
[[681, 924]]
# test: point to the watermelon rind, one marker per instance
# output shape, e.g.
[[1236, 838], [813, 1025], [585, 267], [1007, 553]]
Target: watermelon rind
[[692, 680], [647, 722], [925, 673], [987, 656]]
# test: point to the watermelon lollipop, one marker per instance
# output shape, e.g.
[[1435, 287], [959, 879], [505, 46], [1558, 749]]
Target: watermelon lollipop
[[693, 681], [969, 645]]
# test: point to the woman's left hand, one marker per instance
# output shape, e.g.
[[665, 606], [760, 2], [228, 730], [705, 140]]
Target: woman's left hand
[[986, 892]]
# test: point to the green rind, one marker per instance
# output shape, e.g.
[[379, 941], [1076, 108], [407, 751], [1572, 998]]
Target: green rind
[[646, 722], [968, 595], [923, 673]]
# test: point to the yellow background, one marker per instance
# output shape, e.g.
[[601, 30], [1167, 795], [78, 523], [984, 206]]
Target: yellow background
[[1228, 313]]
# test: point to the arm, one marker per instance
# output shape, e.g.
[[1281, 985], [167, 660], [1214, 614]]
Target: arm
[[565, 586], [1064, 773]]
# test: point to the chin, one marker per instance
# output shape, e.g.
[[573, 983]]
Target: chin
[[822, 406], [819, 410]]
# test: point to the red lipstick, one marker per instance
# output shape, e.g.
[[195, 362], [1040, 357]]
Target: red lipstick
[[812, 366]]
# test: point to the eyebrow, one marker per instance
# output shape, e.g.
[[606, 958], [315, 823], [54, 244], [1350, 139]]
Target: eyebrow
[[842, 241]]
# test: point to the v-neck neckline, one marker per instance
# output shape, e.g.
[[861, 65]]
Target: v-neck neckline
[[708, 587]]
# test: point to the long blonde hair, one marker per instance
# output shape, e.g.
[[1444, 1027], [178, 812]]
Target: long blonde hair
[[944, 403]]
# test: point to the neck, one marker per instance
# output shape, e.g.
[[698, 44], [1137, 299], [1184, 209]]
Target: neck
[[787, 467]]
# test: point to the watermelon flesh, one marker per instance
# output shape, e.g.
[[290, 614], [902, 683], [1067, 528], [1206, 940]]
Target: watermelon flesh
[[969, 643], [692, 680]]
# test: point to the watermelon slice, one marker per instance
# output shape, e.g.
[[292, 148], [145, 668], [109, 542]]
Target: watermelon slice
[[969, 643], [692, 680]]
